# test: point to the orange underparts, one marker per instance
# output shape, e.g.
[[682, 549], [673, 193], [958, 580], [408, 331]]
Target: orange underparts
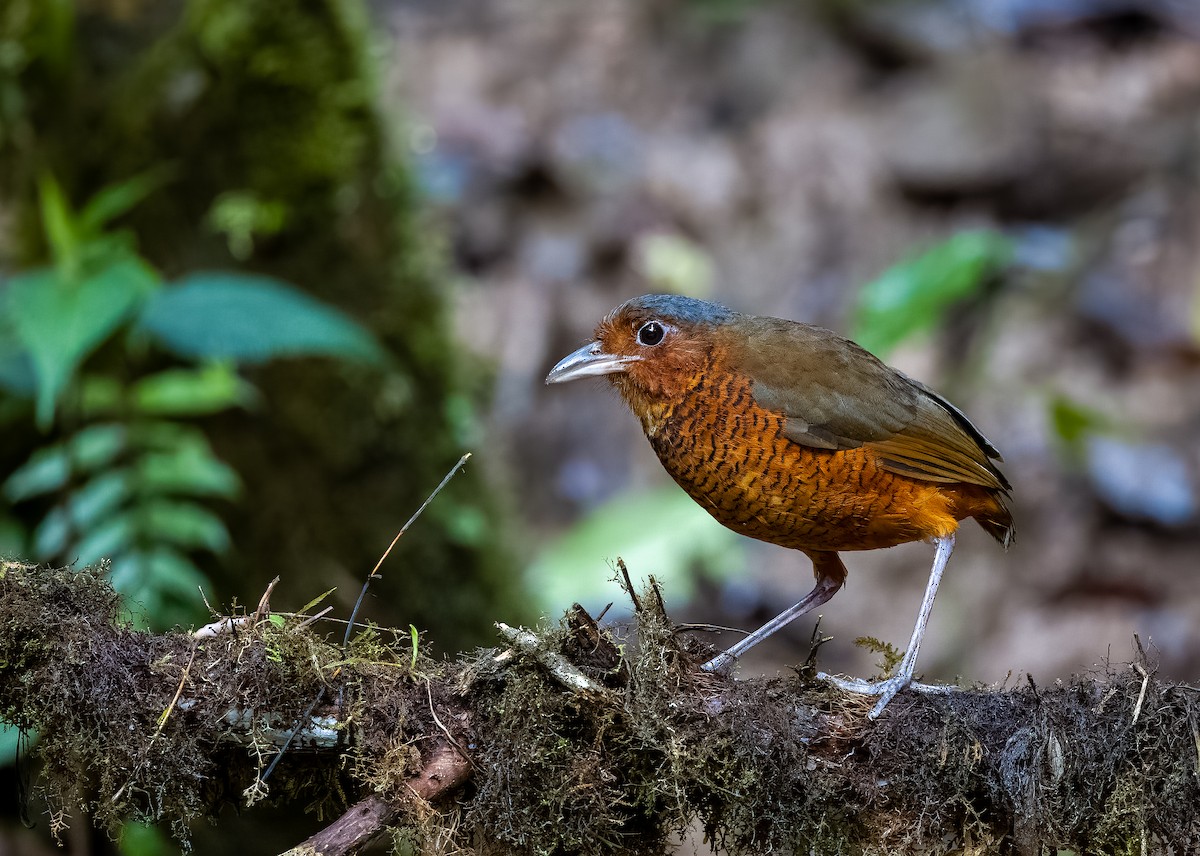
[[738, 465]]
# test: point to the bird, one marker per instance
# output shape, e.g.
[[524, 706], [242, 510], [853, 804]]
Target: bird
[[792, 434]]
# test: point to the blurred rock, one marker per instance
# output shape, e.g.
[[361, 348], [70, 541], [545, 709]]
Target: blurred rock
[[1148, 482], [600, 152], [967, 129]]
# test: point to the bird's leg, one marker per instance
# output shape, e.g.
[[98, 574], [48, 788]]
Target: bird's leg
[[830, 573], [887, 689]]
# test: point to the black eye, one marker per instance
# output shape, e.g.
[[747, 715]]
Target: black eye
[[650, 333]]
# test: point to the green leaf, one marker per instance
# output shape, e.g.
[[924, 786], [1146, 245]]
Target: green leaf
[[184, 524], [16, 374], [117, 199], [16, 368], [316, 600], [661, 532], [52, 534], [89, 510], [187, 470], [162, 580], [50, 468], [913, 296], [251, 319], [60, 322], [167, 436], [1073, 423], [241, 216], [99, 498], [108, 539], [192, 392], [59, 225]]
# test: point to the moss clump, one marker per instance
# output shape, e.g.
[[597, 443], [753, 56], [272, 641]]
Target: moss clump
[[171, 728], [652, 748]]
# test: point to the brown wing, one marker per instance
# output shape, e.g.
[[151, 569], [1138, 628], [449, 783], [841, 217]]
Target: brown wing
[[836, 395]]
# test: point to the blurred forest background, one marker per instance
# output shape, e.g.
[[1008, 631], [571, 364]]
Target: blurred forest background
[[267, 269]]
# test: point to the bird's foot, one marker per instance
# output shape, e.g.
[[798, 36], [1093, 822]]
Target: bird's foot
[[723, 662], [886, 690]]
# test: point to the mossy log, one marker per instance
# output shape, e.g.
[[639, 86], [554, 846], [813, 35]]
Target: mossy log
[[576, 740]]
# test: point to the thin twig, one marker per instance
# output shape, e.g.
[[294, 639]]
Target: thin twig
[[702, 627], [264, 602], [371, 576], [315, 617], [453, 740], [564, 671], [637, 604], [262, 780], [162, 721], [354, 612], [1137, 708]]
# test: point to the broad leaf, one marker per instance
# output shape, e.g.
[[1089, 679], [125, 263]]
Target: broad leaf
[[160, 584], [167, 436], [99, 498], [16, 369], [251, 319], [192, 392], [190, 470], [60, 322], [50, 468], [111, 537], [89, 510], [912, 296], [16, 373], [184, 524]]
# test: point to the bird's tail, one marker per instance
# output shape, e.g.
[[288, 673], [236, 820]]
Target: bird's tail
[[997, 520]]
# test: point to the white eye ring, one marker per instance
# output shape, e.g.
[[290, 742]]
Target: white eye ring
[[651, 333]]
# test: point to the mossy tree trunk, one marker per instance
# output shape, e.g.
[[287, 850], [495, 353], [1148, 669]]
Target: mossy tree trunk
[[263, 118], [572, 741]]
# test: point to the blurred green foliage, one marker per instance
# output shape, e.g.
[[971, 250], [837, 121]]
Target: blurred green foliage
[[914, 296], [1072, 423], [661, 532], [249, 133], [142, 839], [124, 479]]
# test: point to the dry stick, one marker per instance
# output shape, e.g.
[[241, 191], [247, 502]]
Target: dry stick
[[453, 740], [264, 602], [444, 772], [162, 721], [1137, 708], [561, 669], [317, 617], [354, 612], [637, 604]]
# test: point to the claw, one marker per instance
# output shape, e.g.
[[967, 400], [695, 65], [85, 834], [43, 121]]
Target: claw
[[886, 690]]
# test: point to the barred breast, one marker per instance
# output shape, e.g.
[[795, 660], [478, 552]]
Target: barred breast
[[730, 455]]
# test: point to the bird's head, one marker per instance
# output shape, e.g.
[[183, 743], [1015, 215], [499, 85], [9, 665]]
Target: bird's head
[[651, 347]]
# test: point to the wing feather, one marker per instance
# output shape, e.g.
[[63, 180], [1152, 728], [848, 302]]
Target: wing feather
[[836, 395]]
